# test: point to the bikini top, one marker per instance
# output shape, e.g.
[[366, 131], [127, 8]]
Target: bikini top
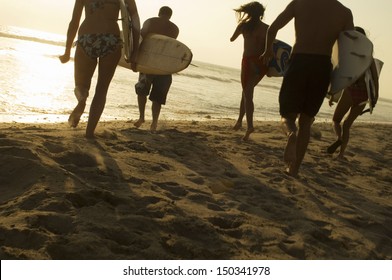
[[99, 4]]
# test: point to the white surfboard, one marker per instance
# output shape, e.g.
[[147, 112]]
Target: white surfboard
[[277, 66], [161, 55], [126, 31], [352, 55], [370, 87]]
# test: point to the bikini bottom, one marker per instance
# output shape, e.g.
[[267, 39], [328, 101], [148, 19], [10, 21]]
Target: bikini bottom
[[359, 95], [99, 45]]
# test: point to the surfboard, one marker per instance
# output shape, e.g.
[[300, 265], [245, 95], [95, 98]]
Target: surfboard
[[370, 86], [126, 31], [335, 96], [161, 55], [278, 63], [351, 57]]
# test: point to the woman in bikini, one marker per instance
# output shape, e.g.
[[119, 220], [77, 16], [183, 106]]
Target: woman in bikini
[[353, 100], [254, 31], [99, 43]]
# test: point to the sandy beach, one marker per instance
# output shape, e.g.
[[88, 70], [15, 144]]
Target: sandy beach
[[193, 190]]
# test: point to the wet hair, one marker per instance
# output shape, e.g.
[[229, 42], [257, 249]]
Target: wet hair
[[360, 30], [250, 14], [165, 11]]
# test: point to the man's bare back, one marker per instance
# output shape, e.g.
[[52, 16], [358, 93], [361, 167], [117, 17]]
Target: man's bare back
[[160, 25], [317, 24]]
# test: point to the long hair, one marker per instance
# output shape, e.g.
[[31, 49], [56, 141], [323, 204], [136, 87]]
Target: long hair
[[250, 14], [360, 30]]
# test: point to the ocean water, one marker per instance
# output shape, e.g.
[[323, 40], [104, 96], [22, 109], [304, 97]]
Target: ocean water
[[36, 87]]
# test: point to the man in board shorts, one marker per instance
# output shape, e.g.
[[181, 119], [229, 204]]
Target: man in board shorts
[[318, 24], [157, 86]]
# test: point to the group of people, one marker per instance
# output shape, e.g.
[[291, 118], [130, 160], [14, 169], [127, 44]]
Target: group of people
[[99, 43], [318, 24]]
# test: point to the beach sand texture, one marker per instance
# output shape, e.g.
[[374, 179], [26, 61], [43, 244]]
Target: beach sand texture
[[193, 190]]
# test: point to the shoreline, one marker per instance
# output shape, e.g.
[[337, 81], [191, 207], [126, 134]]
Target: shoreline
[[223, 120], [192, 190]]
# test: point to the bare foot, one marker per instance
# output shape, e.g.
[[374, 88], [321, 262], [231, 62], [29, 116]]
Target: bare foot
[[293, 172], [139, 123], [341, 158], [153, 127], [332, 148], [248, 132], [90, 136], [237, 126], [290, 152], [74, 118]]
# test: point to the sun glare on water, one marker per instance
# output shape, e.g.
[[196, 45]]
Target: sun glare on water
[[33, 79], [41, 81]]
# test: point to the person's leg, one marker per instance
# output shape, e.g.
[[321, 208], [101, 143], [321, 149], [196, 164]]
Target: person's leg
[[253, 80], [106, 69], [352, 116], [241, 115], [141, 101], [290, 130], [84, 68], [244, 78], [160, 89], [342, 108], [302, 141], [156, 110], [142, 88], [249, 110]]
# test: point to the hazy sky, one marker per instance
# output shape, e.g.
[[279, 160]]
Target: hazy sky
[[206, 25]]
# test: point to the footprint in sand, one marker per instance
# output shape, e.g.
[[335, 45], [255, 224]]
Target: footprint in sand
[[22, 239], [173, 190], [79, 159], [55, 223], [195, 179], [54, 148], [88, 198], [295, 249], [229, 225]]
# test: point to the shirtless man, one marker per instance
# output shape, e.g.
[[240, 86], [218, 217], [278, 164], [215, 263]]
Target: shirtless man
[[317, 27], [157, 86]]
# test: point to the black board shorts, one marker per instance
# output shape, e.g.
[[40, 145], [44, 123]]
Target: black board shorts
[[157, 86], [305, 84]]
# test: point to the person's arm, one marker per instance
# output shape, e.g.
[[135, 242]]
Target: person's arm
[[284, 18], [350, 21], [330, 101], [145, 29], [132, 9], [237, 32], [72, 30], [176, 32]]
